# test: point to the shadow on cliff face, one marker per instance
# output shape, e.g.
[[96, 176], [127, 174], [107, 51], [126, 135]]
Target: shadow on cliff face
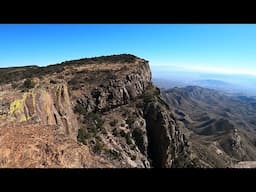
[[165, 141]]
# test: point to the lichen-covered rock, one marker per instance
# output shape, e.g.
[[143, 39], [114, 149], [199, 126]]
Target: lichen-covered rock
[[47, 106]]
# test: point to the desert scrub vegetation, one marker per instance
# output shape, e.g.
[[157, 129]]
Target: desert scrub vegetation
[[121, 58], [113, 154], [80, 109], [18, 73], [83, 135], [28, 84], [95, 119], [115, 132], [53, 81], [15, 85], [133, 157], [138, 136], [128, 138], [122, 133], [88, 136], [139, 103], [150, 94], [113, 123], [75, 82], [27, 72], [98, 147], [91, 127], [130, 120]]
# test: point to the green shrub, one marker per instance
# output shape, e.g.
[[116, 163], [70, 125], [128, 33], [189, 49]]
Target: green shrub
[[80, 109], [98, 147], [115, 132], [15, 85], [130, 120], [150, 93], [83, 135], [139, 104], [138, 136], [122, 133], [128, 138], [133, 157], [96, 120], [74, 83], [148, 97], [133, 147], [28, 84], [104, 131], [125, 112], [93, 130], [113, 154], [53, 81], [113, 123]]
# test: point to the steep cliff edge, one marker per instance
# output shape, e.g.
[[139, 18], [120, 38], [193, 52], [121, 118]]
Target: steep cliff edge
[[107, 103]]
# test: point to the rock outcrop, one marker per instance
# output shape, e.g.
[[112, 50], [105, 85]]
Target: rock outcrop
[[167, 144], [166, 141], [119, 91], [47, 106]]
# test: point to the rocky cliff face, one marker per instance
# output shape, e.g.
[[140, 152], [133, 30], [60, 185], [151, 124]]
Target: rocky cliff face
[[117, 91], [166, 140], [49, 105], [108, 104]]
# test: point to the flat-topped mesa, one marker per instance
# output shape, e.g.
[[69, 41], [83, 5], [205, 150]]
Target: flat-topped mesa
[[109, 85]]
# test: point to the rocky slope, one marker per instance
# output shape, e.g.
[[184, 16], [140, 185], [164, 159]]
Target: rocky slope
[[35, 146], [93, 109]]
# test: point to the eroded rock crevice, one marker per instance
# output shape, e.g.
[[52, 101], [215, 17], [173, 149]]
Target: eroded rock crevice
[[166, 143]]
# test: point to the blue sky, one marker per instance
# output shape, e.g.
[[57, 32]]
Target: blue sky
[[222, 48]]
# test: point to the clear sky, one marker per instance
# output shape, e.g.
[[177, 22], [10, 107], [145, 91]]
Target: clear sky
[[222, 48]]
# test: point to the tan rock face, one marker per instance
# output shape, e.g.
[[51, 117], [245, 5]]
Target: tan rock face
[[37, 146], [47, 106]]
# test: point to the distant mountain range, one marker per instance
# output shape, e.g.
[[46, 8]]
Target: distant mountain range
[[221, 127], [226, 87], [212, 83], [232, 89]]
